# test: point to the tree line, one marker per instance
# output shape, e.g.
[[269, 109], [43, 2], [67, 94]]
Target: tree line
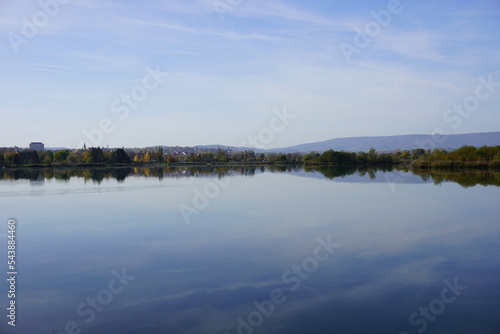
[[464, 157], [93, 156]]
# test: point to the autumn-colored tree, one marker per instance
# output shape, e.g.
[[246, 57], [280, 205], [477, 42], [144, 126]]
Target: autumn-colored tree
[[171, 159]]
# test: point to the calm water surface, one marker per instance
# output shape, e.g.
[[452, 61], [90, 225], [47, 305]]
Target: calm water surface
[[253, 251]]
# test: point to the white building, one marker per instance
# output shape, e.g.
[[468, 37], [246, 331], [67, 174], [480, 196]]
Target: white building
[[37, 146]]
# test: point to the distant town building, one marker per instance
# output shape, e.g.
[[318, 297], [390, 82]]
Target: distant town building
[[37, 146]]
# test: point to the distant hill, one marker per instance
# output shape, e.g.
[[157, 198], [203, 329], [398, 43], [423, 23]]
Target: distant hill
[[392, 143], [381, 143]]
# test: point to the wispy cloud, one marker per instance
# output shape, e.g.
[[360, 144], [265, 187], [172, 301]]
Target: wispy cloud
[[412, 44], [163, 25], [289, 12], [265, 54], [238, 36]]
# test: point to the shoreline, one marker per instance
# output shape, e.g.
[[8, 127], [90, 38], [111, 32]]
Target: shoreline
[[417, 165]]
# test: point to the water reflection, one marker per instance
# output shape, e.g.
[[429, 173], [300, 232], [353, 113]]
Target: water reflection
[[376, 174], [466, 179], [397, 249]]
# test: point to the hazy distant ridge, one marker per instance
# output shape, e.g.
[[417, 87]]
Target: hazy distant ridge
[[401, 142], [381, 143]]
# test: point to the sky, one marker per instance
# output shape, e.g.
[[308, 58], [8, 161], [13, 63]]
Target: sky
[[200, 72]]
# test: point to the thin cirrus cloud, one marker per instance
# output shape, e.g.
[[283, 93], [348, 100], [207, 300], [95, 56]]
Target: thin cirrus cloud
[[263, 55], [414, 44]]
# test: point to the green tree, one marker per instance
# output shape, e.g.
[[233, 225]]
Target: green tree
[[362, 157], [193, 157], [97, 155], [405, 155], [417, 153], [438, 154], [121, 157], [221, 155], [60, 156], [205, 157], [28, 157], [385, 159], [11, 159], [72, 159], [87, 157], [47, 160], [281, 158], [464, 153], [372, 155], [109, 157], [159, 154]]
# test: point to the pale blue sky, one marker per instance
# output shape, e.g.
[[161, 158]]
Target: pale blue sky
[[227, 76]]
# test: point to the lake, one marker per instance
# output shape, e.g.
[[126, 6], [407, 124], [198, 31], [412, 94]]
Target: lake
[[252, 250]]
